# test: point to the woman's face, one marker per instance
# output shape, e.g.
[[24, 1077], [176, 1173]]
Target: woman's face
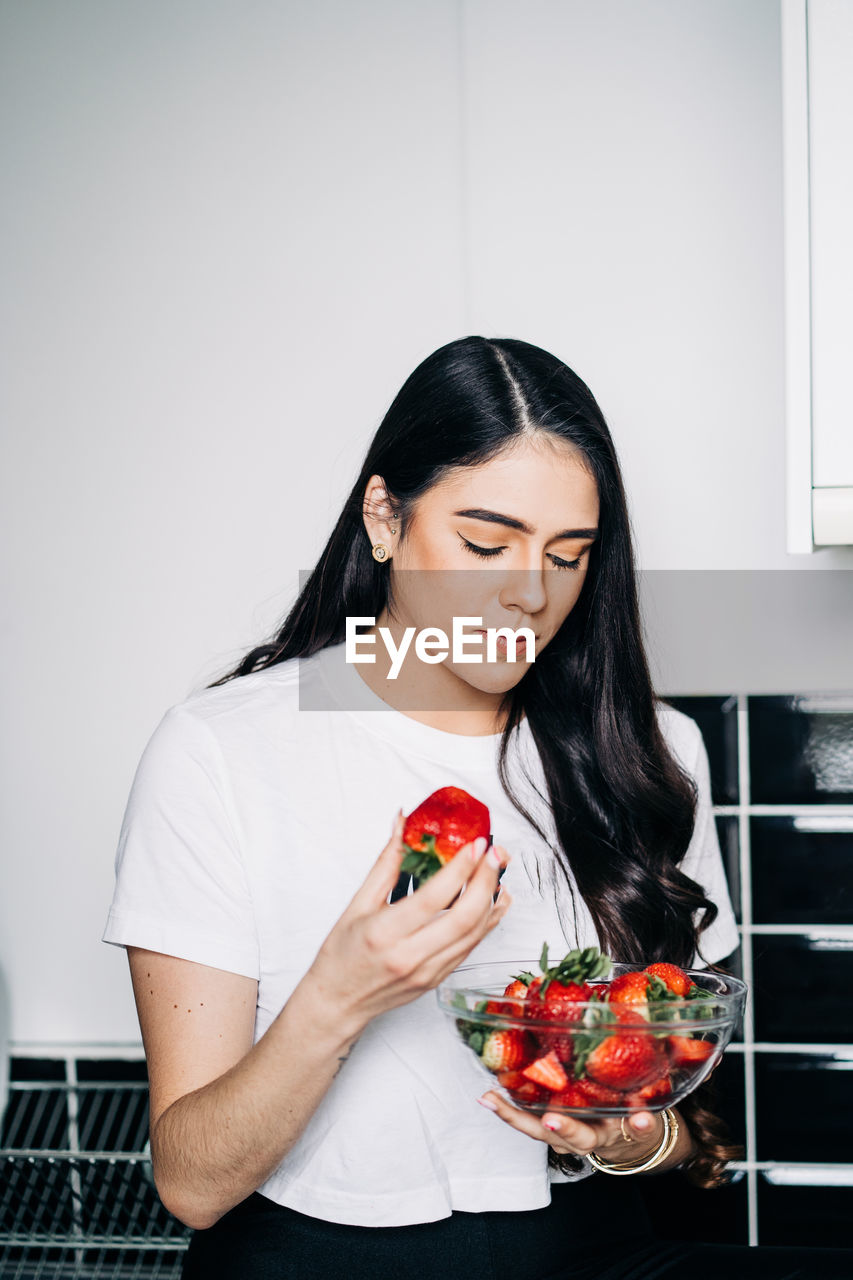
[[507, 541]]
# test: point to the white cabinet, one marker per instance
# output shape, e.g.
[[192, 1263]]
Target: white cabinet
[[817, 50]]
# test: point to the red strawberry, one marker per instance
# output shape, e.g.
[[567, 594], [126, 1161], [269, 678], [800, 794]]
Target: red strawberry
[[626, 1060], [629, 988], [675, 979], [562, 1002], [439, 827], [656, 1091], [507, 1050], [571, 1096], [520, 1089], [547, 1071], [534, 989], [517, 989], [598, 1094], [685, 1051], [505, 1008]]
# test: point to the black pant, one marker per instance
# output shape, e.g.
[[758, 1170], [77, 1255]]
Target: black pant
[[592, 1230]]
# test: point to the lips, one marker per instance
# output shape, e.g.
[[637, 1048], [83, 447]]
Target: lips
[[501, 641]]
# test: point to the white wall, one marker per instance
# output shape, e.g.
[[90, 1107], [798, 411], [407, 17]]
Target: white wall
[[231, 231]]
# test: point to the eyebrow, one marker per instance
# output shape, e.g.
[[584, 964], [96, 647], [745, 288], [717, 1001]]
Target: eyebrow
[[494, 517]]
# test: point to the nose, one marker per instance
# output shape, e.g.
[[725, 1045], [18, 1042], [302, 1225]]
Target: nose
[[524, 590]]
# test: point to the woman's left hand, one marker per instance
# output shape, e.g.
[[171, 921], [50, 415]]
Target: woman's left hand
[[569, 1135]]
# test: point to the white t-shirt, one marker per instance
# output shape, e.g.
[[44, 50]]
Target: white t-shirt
[[250, 825]]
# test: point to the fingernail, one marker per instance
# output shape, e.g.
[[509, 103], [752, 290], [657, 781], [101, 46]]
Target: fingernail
[[493, 858], [553, 1125], [478, 848], [488, 1104], [640, 1122]]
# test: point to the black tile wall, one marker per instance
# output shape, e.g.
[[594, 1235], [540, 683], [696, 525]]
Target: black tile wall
[[729, 838], [801, 989], [717, 718], [801, 875], [727, 1095], [801, 750], [804, 1107]]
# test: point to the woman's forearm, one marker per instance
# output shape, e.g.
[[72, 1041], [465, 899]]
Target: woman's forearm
[[213, 1147]]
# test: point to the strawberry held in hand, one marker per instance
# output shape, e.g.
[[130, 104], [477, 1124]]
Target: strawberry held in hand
[[440, 826]]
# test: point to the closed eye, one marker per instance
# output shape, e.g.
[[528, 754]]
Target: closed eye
[[485, 553]]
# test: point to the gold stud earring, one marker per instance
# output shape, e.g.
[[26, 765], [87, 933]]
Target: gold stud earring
[[380, 551]]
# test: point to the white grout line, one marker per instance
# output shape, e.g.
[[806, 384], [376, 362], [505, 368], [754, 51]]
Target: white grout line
[[816, 810], [843, 1052], [746, 964]]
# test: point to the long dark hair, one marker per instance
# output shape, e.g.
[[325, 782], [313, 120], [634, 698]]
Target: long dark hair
[[623, 808]]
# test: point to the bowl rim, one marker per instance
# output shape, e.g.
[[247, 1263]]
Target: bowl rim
[[733, 997]]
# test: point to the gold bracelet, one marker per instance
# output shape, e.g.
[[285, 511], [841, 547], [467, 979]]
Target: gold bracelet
[[667, 1145]]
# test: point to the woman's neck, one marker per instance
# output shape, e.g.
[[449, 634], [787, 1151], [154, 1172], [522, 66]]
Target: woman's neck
[[433, 695]]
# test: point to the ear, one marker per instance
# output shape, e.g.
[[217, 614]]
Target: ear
[[379, 512]]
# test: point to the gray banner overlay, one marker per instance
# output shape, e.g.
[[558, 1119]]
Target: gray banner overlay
[[706, 632]]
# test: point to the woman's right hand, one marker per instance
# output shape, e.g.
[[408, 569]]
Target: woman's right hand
[[225, 1110], [380, 955]]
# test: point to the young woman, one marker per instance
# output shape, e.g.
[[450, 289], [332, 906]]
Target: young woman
[[311, 1109]]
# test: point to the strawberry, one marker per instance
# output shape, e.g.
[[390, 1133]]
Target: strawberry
[[571, 1096], [547, 1071], [629, 988], [533, 992], [560, 995], [507, 1050], [520, 1089], [626, 1060], [505, 1008], [656, 1091], [562, 1003], [517, 989], [675, 979], [439, 827], [598, 1094], [587, 1093], [684, 1050]]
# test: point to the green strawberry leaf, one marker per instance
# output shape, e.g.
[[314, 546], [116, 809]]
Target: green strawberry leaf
[[524, 977], [420, 863]]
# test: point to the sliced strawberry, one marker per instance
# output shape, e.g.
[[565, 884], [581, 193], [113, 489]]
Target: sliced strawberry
[[654, 1092], [507, 1050], [547, 1071], [598, 1094], [520, 1089], [439, 827], [571, 1096], [675, 979], [685, 1051]]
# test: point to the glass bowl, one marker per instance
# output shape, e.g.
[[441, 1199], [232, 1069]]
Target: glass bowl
[[604, 1059]]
